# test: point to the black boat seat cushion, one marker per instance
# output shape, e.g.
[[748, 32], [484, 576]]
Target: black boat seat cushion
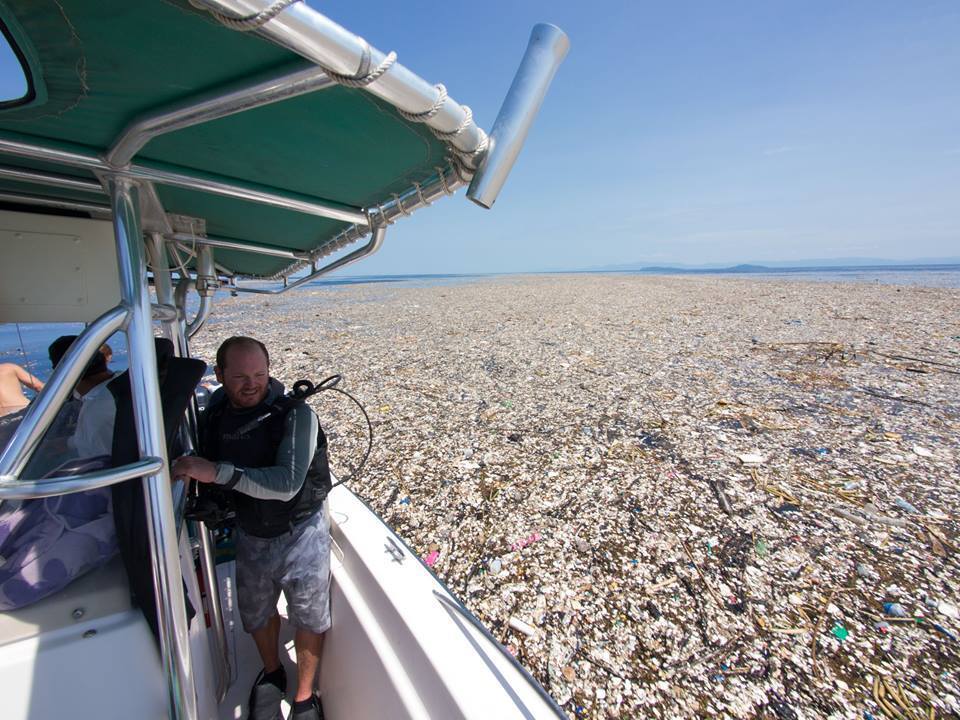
[[178, 380]]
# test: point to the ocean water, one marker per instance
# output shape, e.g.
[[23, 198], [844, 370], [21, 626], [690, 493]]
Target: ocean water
[[26, 343], [940, 276]]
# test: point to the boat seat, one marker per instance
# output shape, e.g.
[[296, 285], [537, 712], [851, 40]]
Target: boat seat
[[178, 380], [99, 593]]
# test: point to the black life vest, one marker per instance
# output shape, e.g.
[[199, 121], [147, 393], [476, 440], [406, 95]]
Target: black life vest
[[249, 439]]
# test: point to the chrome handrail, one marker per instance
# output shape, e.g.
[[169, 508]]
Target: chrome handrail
[[175, 330], [227, 244], [186, 178], [44, 409], [283, 85], [174, 638], [12, 488], [376, 240]]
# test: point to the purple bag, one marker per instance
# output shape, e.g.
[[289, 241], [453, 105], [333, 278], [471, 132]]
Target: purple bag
[[46, 543]]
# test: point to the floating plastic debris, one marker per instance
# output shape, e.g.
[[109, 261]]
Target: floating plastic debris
[[524, 542], [948, 609], [672, 393], [520, 626], [904, 505], [894, 609]]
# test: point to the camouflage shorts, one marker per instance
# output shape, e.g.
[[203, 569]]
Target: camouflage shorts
[[297, 563]]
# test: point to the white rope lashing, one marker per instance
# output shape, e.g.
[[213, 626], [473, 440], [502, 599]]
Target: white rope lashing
[[464, 162], [248, 23]]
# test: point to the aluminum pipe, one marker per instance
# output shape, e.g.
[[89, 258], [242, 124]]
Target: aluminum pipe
[[12, 488], [148, 417], [181, 177], [239, 246], [376, 240], [40, 201], [547, 48], [212, 106], [42, 411], [36, 177], [305, 31]]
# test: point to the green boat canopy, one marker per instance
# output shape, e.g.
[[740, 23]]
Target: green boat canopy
[[95, 67]]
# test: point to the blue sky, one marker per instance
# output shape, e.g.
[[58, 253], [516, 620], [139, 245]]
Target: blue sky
[[695, 132]]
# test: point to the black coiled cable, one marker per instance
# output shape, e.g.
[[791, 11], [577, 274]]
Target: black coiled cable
[[302, 389]]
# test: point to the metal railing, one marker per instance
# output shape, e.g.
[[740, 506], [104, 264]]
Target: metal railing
[[174, 329], [288, 83], [55, 393], [13, 488], [374, 244], [182, 177], [161, 521]]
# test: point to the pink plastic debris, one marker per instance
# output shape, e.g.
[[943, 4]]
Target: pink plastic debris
[[529, 540], [431, 558]]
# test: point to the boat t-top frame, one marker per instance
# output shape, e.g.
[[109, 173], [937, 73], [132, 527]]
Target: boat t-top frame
[[148, 236]]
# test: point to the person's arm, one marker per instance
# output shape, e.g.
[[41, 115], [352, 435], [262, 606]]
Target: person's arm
[[28, 380], [281, 481]]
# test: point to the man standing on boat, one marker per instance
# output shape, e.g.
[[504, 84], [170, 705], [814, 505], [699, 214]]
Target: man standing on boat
[[269, 450]]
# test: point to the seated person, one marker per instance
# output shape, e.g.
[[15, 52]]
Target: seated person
[[12, 377], [46, 543], [97, 371]]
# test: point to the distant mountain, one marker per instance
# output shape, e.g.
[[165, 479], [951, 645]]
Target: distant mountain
[[814, 263]]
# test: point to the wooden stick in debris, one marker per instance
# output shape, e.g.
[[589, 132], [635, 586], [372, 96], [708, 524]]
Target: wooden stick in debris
[[916, 359], [816, 632], [703, 577], [897, 398]]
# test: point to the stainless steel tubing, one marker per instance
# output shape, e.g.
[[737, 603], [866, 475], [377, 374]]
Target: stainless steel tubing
[[44, 409], [224, 187], [209, 569], [170, 325], [41, 201], [24, 148], [292, 201], [308, 33], [53, 180], [546, 50], [210, 106], [171, 610], [174, 331], [384, 214], [376, 240], [239, 246], [12, 488], [192, 327], [206, 284], [163, 313]]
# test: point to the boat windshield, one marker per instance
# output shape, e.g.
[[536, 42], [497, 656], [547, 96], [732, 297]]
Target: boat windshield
[[14, 86]]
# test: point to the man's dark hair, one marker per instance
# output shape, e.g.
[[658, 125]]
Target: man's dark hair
[[239, 341], [58, 348]]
